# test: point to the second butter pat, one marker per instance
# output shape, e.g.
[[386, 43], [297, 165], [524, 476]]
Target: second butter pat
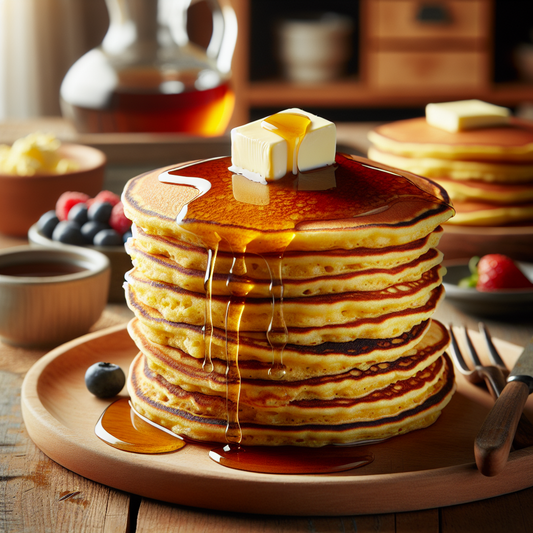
[[465, 115], [261, 155]]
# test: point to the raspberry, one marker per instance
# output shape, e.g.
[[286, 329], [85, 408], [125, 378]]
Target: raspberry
[[118, 220], [67, 200], [497, 271], [105, 196]]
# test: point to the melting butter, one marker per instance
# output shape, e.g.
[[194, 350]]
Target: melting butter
[[265, 154]]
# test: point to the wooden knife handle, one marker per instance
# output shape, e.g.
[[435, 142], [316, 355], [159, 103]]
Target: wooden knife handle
[[494, 439]]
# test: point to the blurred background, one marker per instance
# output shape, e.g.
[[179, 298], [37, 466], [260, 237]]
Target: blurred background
[[391, 56]]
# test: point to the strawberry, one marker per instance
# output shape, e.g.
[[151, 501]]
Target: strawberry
[[118, 220], [497, 272], [105, 196], [68, 200]]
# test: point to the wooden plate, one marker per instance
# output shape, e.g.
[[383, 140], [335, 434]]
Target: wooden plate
[[424, 469]]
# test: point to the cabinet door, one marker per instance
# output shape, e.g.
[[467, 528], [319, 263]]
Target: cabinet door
[[416, 19], [427, 70]]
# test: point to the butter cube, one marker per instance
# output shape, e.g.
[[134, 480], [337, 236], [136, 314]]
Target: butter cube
[[466, 115], [261, 155]]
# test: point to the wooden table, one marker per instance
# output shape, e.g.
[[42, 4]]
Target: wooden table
[[38, 495]]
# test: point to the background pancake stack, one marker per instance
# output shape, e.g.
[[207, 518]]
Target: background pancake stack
[[488, 172], [287, 315]]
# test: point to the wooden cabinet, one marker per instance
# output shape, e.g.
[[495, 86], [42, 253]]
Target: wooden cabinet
[[406, 53]]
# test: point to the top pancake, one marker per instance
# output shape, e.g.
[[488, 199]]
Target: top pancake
[[416, 138], [368, 205]]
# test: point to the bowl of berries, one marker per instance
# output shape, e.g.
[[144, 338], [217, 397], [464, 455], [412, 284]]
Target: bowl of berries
[[94, 222], [491, 285]]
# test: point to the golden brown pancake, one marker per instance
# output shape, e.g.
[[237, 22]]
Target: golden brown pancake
[[301, 361], [302, 319], [161, 268], [402, 407], [459, 170], [371, 206], [181, 305], [295, 264], [415, 138], [258, 387], [475, 213], [495, 193]]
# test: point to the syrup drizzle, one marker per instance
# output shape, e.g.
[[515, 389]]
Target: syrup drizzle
[[292, 127]]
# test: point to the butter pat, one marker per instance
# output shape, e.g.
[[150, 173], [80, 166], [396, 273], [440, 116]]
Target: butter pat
[[261, 155], [466, 115]]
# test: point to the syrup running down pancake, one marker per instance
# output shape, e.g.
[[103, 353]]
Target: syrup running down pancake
[[294, 312]]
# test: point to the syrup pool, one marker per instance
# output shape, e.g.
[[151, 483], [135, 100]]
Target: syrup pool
[[121, 427]]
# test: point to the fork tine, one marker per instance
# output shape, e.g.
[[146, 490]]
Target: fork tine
[[456, 353], [493, 353], [472, 351]]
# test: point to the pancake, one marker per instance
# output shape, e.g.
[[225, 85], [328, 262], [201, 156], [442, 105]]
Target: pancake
[[495, 193], [297, 312], [161, 268], [301, 361], [413, 404], [372, 206], [294, 265], [460, 170], [415, 138], [181, 305], [476, 213], [257, 386], [487, 172]]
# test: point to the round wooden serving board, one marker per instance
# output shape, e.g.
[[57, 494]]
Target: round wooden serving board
[[425, 469]]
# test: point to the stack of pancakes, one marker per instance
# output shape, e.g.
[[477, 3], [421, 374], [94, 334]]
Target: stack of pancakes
[[488, 172], [301, 319]]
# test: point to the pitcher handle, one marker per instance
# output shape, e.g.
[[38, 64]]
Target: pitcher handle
[[224, 37]]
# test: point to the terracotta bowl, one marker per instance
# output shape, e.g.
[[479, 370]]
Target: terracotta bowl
[[23, 199], [118, 258], [50, 296]]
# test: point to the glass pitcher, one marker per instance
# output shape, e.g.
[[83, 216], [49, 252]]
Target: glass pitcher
[[147, 76]]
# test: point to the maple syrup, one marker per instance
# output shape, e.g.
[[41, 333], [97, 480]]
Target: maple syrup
[[205, 112], [40, 269], [292, 127], [122, 428], [291, 459]]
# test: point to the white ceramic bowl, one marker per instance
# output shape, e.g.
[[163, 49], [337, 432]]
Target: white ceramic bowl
[[49, 296], [120, 261]]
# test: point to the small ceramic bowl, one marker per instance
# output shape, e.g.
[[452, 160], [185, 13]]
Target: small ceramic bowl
[[497, 303], [23, 199], [50, 296], [118, 258]]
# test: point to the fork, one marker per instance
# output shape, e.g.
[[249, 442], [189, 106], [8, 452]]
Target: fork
[[494, 375]]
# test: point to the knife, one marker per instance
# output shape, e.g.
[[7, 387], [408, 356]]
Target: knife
[[493, 442]]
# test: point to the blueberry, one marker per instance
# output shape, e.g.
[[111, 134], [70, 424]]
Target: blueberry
[[126, 236], [91, 228], [68, 232], [104, 380], [100, 211], [78, 213], [108, 237], [47, 223]]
